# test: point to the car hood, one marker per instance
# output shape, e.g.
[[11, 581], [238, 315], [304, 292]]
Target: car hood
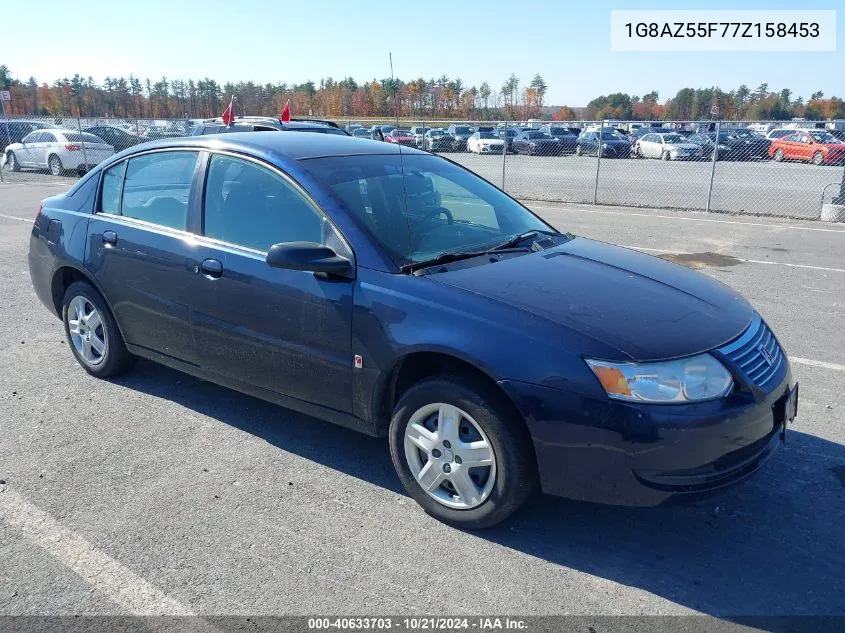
[[644, 307]]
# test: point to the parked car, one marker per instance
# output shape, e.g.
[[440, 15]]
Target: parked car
[[637, 133], [437, 140], [361, 132], [507, 135], [751, 145], [535, 142], [264, 124], [14, 130], [568, 140], [57, 150], [666, 147], [418, 132], [815, 146], [727, 149], [158, 131], [117, 137], [404, 296], [485, 143], [401, 136], [613, 144], [460, 134]]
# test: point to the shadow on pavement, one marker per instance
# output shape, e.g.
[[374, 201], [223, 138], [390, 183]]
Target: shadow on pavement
[[773, 545]]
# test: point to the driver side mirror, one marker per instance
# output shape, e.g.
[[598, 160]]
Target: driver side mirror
[[377, 135], [309, 256]]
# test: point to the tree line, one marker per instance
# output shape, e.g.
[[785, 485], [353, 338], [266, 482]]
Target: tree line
[[741, 104], [440, 98], [133, 97]]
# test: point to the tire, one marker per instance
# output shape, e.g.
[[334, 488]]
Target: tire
[[666, 156], [637, 152], [12, 162], [54, 164], [778, 155], [579, 151], [818, 158], [113, 358], [495, 491]]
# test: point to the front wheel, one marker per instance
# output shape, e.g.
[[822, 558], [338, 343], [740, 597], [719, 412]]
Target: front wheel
[[778, 156], [818, 158], [666, 156], [461, 452], [578, 150], [92, 332]]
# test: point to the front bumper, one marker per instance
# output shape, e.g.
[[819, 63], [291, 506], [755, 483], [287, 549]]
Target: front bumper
[[632, 454]]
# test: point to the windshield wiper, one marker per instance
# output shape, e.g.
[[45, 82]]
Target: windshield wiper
[[521, 237], [453, 256]]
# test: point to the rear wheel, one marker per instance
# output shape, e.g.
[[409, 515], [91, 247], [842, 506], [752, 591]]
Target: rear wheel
[[461, 452], [666, 156], [818, 158], [578, 150], [92, 333], [54, 164], [12, 162], [778, 156]]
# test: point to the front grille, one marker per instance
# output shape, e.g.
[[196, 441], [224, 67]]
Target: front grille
[[747, 355]]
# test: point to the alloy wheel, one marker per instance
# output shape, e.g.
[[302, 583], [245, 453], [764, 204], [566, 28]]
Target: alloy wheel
[[450, 456], [87, 330], [55, 165]]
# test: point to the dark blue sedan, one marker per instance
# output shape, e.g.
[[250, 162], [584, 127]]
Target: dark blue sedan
[[393, 292]]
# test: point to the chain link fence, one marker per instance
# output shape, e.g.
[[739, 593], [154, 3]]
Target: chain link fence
[[789, 169]]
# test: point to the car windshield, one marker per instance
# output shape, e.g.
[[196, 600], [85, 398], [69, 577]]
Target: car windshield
[[437, 207], [536, 135], [610, 135], [486, 135], [463, 129], [361, 132], [673, 139], [559, 131], [436, 133]]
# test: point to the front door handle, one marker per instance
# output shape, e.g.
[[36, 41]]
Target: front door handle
[[109, 238], [212, 268]]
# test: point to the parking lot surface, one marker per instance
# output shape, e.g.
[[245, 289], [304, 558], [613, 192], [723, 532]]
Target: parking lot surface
[[157, 493]]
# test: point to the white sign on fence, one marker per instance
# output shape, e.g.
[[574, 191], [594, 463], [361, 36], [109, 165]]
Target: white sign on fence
[[5, 95], [714, 110]]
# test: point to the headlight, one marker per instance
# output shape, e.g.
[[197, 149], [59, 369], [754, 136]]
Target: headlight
[[684, 380]]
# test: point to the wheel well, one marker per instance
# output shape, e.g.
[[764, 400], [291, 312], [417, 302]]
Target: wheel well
[[418, 366], [63, 278]]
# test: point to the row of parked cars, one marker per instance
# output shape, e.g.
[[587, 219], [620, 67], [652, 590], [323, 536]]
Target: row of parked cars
[[815, 145], [38, 145]]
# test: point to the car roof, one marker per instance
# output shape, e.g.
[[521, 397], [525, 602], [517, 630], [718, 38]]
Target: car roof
[[292, 146]]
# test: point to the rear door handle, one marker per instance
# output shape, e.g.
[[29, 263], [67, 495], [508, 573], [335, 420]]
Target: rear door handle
[[212, 268], [109, 237]]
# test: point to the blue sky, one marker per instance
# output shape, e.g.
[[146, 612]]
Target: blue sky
[[260, 40]]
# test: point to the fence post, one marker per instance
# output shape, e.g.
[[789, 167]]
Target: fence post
[[8, 134], [84, 153], [713, 167], [598, 164], [504, 153]]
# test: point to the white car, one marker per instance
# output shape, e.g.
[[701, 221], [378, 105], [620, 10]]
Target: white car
[[485, 143], [58, 151], [669, 146]]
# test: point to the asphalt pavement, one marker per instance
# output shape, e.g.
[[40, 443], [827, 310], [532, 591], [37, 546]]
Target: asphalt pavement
[[156, 493]]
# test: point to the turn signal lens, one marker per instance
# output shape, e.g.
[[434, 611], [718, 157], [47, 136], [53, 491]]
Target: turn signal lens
[[612, 379]]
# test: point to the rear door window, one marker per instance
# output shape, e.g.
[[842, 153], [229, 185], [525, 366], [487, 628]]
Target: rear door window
[[156, 188]]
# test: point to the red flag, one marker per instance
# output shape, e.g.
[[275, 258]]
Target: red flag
[[286, 111], [229, 113]]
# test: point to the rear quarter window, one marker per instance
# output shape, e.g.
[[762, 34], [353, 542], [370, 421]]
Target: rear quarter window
[[110, 196]]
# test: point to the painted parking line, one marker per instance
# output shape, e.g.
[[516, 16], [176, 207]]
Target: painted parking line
[[109, 577], [740, 259], [774, 225], [13, 217], [817, 363]]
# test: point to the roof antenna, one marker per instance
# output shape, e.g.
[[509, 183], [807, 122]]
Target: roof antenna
[[401, 164]]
